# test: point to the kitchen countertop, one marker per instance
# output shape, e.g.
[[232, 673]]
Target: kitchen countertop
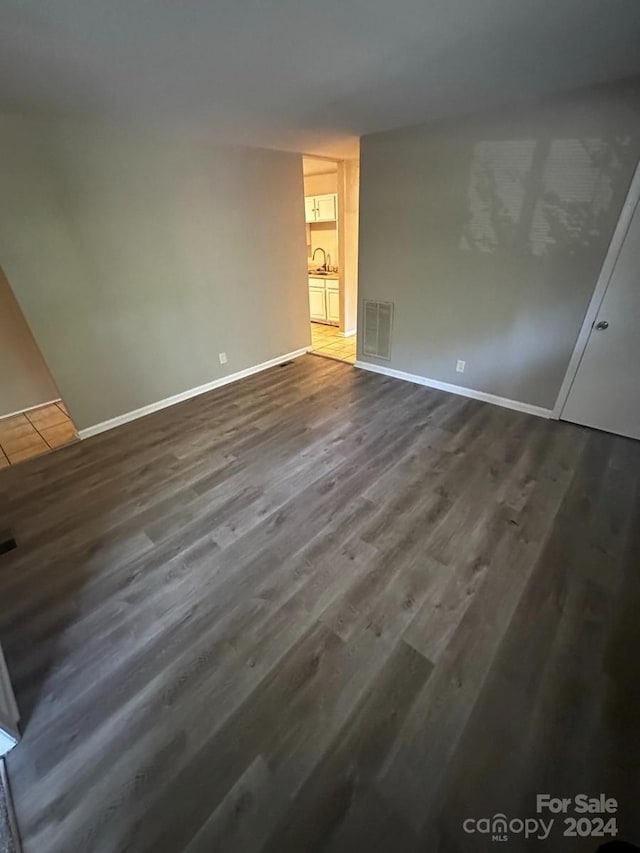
[[333, 275]]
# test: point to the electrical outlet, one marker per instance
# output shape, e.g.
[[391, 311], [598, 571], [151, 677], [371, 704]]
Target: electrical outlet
[[460, 366], [223, 357]]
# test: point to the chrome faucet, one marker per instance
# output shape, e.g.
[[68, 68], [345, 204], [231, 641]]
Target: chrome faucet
[[324, 254]]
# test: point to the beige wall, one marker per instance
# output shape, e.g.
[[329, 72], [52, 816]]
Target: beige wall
[[25, 381], [323, 235], [321, 184], [138, 257], [488, 234], [349, 200]]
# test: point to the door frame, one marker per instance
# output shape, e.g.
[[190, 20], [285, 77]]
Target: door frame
[[619, 234]]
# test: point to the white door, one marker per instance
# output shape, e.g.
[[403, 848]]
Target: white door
[[310, 208], [605, 393], [9, 735], [317, 304], [326, 208], [333, 306]]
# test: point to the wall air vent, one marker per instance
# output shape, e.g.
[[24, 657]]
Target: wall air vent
[[378, 322]]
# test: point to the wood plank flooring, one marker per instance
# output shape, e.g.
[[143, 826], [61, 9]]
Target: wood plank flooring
[[321, 610]]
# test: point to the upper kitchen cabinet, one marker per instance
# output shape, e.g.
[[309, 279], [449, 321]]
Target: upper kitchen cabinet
[[321, 208], [327, 207], [310, 208]]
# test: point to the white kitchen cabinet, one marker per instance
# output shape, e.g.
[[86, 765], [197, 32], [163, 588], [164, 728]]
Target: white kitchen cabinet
[[326, 208], [317, 303], [310, 208], [321, 208], [333, 305], [324, 300]]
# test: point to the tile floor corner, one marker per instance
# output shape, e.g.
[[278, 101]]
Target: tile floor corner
[[327, 341], [35, 432]]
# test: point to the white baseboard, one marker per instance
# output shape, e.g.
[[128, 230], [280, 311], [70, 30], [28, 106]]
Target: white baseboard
[[457, 389], [186, 395], [348, 334], [31, 408]]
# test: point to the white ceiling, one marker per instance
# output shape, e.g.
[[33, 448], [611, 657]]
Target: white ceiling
[[302, 74]]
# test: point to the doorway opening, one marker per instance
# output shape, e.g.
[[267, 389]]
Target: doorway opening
[[331, 190], [33, 418]]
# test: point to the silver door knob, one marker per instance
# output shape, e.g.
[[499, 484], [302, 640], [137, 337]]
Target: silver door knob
[[602, 325]]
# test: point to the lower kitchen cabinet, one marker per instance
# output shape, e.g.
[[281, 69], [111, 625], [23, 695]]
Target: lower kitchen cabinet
[[333, 306], [317, 304], [324, 300]]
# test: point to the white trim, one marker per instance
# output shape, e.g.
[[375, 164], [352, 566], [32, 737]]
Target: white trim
[[626, 215], [457, 389], [186, 395], [7, 741], [31, 408], [348, 334]]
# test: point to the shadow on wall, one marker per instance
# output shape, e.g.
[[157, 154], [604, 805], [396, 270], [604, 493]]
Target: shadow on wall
[[544, 196], [495, 228]]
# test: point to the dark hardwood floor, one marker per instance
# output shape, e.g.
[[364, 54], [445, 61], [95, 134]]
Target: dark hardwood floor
[[322, 610]]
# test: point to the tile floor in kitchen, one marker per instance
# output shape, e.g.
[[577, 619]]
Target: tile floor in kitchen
[[35, 432], [326, 340]]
